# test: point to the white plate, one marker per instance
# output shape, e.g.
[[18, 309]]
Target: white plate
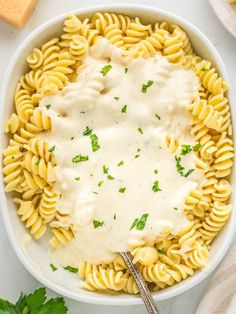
[[34, 256], [226, 13]]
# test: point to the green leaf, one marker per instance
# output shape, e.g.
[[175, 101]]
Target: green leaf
[[136, 156], [203, 70], [105, 169], [186, 149], [100, 183], [53, 306], [121, 163], [20, 304], [139, 224], [140, 130], [122, 190], [114, 217], [181, 169], [79, 158], [106, 69], [37, 162], [155, 187], [94, 142], [116, 98], [196, 147], [72, 138], [87, 131], [109, 177], [77, 179], [48, 107], [157, 116], [124, 108], [52, 149], [175, 208], [134, 224], [7, 307], [97, 223], [160, 251], [126, 70], [36, 299], [146, 86], [156, 171], [53, 267], [71, 269]]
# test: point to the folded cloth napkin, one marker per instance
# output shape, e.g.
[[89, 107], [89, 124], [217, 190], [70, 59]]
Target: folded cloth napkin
[[220, 297]]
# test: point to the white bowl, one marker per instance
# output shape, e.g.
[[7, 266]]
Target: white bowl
[[35, 257]]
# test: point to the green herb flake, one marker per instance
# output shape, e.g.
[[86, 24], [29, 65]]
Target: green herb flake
[[140, 130], [114, 217], [139, 224], [48, 107], [106, 69], [126, 70], [97, 223], [105, 169], [196, 147], [121, 163], [109, 177], [82, 112], [53, 267], [146, 86], [94, 192], [116, 98], [77, 179], [60, 196], [157, 116], [124, 108], [12, 157], [175, 208], [72, 138], [160, 251], [203, 70], [186, 149], [122, 190], [87, 131], [94, 142], [181, 169], [136, 156], [79, 158], [100, 183], [71, 269], [156, 171], [138, 150], [52, 149], [37, 162], [155, 187]]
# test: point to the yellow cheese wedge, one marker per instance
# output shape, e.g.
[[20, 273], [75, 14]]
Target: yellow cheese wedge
[[16, 12]]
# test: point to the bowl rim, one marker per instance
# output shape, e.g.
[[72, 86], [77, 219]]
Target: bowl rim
[[103, 299]]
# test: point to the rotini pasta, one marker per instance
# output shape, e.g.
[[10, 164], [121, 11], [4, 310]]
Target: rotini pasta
[[31, 169]]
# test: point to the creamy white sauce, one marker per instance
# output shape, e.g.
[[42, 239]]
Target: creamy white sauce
[[90, 102]]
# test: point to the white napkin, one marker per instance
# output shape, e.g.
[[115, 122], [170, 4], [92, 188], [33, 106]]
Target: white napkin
[[220, 297]]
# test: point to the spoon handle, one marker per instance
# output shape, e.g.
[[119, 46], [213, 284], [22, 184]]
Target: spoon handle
[[144, 291]]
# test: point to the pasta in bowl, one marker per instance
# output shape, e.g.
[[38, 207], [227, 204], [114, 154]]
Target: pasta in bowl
[[121, 139]]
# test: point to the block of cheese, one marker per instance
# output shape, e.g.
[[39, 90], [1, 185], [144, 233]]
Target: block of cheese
[[16, 12]]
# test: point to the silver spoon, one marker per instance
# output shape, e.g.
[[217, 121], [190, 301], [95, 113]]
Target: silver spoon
[[144, 291]]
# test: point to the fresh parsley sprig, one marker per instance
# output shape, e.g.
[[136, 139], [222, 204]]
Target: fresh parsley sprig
[[181, 169], [139, 223], [34, 303]]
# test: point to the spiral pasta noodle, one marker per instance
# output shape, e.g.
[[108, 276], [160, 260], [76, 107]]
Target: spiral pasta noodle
[[29, 165]]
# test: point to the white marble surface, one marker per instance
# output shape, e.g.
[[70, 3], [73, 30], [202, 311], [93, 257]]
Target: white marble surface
[[13, 276]]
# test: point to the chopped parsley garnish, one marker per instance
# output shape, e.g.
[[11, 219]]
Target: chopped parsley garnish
[[138, 150], [94, 192], [100, 183], [121, 163], [94, 142], [77, 179], [105, 69], [52, 149], [82, 112], [71, 269], [72, 138], [185, 149], [155, 187], [146, 86], [126, 70], [79, 158], [160, 251], [37, 162], [12, 157], [196, 147], [156, 171], [114, 217], [140, 130], [97, 223], [87, 131], [116, 98], [203, 69], [48, 107], [105, 169], [122, 190], [124, 108], [110, 177], [136, 156], [60, 196], [53, 267], [157, 116], [175, 208], [181, 169], [139, 224]]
